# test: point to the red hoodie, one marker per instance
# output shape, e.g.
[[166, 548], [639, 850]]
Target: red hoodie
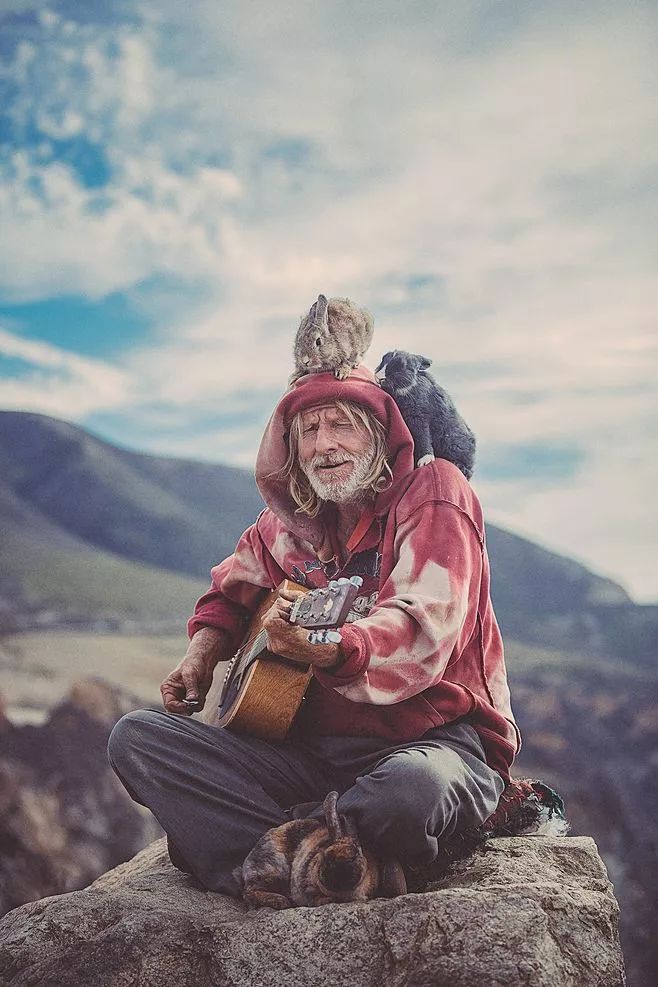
[[423, 647]]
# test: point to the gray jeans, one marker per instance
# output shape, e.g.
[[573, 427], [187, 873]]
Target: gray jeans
[[215, 793]]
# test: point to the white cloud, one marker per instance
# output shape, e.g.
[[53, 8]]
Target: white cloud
[[69, 239], [602, 516], [59, 382]]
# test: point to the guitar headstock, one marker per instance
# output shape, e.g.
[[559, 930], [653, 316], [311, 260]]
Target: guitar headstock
[[326, 607]]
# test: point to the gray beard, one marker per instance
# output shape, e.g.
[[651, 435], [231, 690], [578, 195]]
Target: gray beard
[[340, 491]]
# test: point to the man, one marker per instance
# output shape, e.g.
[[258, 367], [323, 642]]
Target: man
[[408, 718]]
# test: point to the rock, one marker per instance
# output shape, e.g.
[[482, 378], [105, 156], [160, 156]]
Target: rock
[[537, 912], [64, 816]]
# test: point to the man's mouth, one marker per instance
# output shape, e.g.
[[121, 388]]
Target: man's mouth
[[330, 467]]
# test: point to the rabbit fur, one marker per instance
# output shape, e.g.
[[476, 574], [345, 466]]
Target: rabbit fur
[[314, 862], [333, 336]]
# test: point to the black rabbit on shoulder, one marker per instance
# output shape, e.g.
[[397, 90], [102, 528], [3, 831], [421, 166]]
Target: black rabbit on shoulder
[[437, 428]]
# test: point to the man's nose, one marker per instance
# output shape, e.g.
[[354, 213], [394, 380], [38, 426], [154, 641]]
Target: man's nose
[[325, 439]]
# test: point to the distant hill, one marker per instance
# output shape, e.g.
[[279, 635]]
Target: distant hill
[[170, 513], [131, 534], [95, 534]]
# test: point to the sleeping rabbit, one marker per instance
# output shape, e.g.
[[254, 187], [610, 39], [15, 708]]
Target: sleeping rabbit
[[314, 862]]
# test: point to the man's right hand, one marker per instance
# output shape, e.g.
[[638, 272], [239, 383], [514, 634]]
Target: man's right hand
[[192, 678]]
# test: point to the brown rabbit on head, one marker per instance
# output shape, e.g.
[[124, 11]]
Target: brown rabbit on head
[[314, 862], [333, 337]]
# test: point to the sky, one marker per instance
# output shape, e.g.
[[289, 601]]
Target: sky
[[178, 182]]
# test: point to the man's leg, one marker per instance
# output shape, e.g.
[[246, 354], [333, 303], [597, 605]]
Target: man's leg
[[213, 792], [405, 798], [421, 792]]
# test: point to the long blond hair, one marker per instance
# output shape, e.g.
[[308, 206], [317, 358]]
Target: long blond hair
[[377, 478]]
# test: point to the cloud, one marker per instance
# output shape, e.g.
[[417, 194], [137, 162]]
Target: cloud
[[601, 516], [98, 88], [57, 382]]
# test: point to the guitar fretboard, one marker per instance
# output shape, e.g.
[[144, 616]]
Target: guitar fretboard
[[254, 647]]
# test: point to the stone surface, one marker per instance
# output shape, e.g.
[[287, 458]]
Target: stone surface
[[536, 912]]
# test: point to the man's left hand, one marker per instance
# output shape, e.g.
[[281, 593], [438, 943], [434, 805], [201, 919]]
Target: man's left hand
[[292, 642]]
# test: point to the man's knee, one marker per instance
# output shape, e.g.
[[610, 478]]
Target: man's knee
[[128, 734], [411, 784], [408, 799]]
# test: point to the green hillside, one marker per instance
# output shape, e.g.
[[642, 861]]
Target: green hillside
[[168, 513], [43, 583]]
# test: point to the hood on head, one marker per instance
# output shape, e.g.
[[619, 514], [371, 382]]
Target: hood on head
[[310, 391]]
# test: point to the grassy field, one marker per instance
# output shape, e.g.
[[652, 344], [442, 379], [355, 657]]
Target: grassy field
[[37, 669]]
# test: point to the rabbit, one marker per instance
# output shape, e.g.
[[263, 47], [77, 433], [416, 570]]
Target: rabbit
[[437, 428], [334, 336], [314, 862]]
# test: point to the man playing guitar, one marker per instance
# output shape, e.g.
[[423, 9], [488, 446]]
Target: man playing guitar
[[408, 717]]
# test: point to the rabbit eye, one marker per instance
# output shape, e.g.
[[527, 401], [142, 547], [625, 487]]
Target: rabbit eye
[[317, 341]]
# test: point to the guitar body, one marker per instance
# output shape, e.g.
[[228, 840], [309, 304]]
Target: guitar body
[[268, 695], [269, 698], [261, 692]]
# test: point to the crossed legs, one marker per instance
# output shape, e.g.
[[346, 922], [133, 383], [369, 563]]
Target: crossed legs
[[215, 793]]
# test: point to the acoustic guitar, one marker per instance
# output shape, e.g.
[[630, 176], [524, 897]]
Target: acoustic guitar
[[261, 692]]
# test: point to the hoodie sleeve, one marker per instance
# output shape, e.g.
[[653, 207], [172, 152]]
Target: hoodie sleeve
[[236, 589], [425, 613]]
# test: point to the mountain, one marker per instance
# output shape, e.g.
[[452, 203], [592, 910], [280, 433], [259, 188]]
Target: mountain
[[94, 535], [168, 513], [95, 532]]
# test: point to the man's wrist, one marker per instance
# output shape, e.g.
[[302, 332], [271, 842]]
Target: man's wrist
[[334, 658], [209, 646]]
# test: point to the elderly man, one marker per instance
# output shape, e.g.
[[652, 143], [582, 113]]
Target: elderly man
[[408, 718]]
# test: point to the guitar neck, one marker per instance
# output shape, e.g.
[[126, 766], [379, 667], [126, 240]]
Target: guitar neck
[[317, 609], [253, 648]]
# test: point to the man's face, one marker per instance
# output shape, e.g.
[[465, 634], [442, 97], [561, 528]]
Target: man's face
[[334, 454]]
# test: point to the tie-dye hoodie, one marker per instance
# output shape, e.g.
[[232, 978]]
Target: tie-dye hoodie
[[422, 644]]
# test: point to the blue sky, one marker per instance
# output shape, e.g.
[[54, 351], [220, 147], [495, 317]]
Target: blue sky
[[179, 181]]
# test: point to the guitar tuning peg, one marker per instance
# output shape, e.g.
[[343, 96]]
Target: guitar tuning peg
[[324, 637], [356, 581], [343, 581], [332, 584]]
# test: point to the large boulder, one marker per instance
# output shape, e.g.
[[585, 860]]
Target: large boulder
[[534, 911], [64, 816]]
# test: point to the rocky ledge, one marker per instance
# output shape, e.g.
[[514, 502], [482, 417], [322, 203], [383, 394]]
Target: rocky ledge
[[533, 911]]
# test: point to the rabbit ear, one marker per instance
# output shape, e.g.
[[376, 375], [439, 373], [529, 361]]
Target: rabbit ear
[[331, 816], [318, 314], [423, 362], [321, 317], [392, 881]]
